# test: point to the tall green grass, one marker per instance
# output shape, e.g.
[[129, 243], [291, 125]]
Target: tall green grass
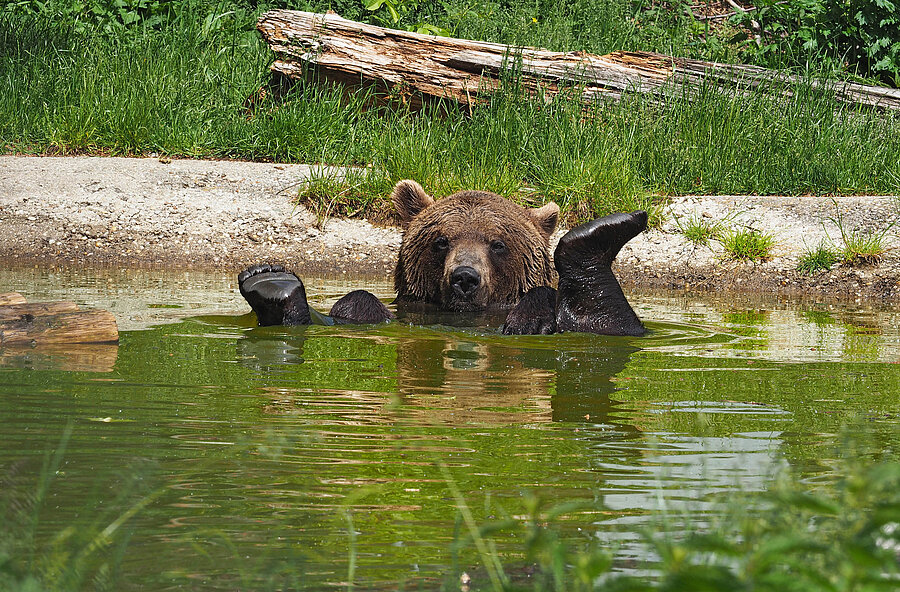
[[181, 90], [86, 554], [837, 532]]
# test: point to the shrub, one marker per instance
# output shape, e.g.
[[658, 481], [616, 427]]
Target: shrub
[[863, 34]]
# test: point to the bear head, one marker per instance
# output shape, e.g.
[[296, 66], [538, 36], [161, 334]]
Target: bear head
[[471, 250]]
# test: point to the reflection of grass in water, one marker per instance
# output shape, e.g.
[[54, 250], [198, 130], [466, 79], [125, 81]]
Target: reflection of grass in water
[[748, 323], [747, 317], [862, 343], [820, 318]]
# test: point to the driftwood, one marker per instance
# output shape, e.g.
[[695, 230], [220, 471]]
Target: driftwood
[[55, 323], [414, 67], [11, 298], [37, 309]]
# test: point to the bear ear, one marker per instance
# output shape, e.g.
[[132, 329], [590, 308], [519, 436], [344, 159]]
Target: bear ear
[[410, 199], [545, 218]]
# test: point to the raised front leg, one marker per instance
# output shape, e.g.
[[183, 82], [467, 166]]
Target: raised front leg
[[276, 295], [535, 314], [590, 299]]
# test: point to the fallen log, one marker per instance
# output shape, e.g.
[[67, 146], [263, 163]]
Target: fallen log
[[78, 326], [11, 298], [415, 67], [12, 312]]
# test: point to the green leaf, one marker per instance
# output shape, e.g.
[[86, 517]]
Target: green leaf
[[810, 503], [705, 578], [426, 29], [395, 16], [714, 544]]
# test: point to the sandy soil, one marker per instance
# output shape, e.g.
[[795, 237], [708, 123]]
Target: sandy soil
[[125, 212]]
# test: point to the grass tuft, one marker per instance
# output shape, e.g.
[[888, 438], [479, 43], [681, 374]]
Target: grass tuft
[[822, 258], [346, 193], [747, 244], [860, 247], [699, 230]]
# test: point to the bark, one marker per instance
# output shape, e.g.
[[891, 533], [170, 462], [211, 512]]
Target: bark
[[36, 309], [412, 67], [80, 326], [11, 298]]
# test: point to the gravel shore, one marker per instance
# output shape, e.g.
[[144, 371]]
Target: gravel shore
[[149, 212]]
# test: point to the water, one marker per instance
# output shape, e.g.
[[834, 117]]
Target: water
[[261, 447]]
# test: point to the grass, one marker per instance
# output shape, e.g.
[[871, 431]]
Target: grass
[[837, 532], [861, 247], [180, 90], [858, 247], [834, 534], [813, 261], [698, 230], [76, 558], [747, 244]]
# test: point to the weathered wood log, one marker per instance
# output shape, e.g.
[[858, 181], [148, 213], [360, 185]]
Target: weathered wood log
[[413, 66], [36, 309], [80, 326], [11, 298]]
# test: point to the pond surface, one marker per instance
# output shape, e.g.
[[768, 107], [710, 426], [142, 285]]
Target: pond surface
[[262, 446]]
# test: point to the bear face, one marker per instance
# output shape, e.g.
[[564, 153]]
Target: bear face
[[471, 250]]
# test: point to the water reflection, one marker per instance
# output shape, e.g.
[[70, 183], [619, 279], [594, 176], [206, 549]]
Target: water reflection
[[91, 357], [446, 376]]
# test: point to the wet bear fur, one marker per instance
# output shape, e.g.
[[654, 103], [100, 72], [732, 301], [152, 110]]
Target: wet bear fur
[[471, 250]]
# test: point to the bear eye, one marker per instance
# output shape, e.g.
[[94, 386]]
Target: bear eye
[[498, 247], [441, 243]]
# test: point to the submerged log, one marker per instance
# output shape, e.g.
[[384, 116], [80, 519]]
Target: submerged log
[[412, 66], [51, 326]]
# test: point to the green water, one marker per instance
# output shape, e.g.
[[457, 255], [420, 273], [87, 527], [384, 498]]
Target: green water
[[263, 445]]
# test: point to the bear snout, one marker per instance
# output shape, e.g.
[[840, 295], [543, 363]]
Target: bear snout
[[465, 281]]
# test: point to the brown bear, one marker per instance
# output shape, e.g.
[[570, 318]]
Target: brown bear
[[471, 250], [474, 251]]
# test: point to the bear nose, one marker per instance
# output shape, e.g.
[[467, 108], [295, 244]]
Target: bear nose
[[465, 280]]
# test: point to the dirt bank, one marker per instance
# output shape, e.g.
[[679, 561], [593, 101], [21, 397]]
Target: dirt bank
[[218, 214]]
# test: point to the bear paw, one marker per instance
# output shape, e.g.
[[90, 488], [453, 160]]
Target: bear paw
[[276, 295], [535, 314]]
